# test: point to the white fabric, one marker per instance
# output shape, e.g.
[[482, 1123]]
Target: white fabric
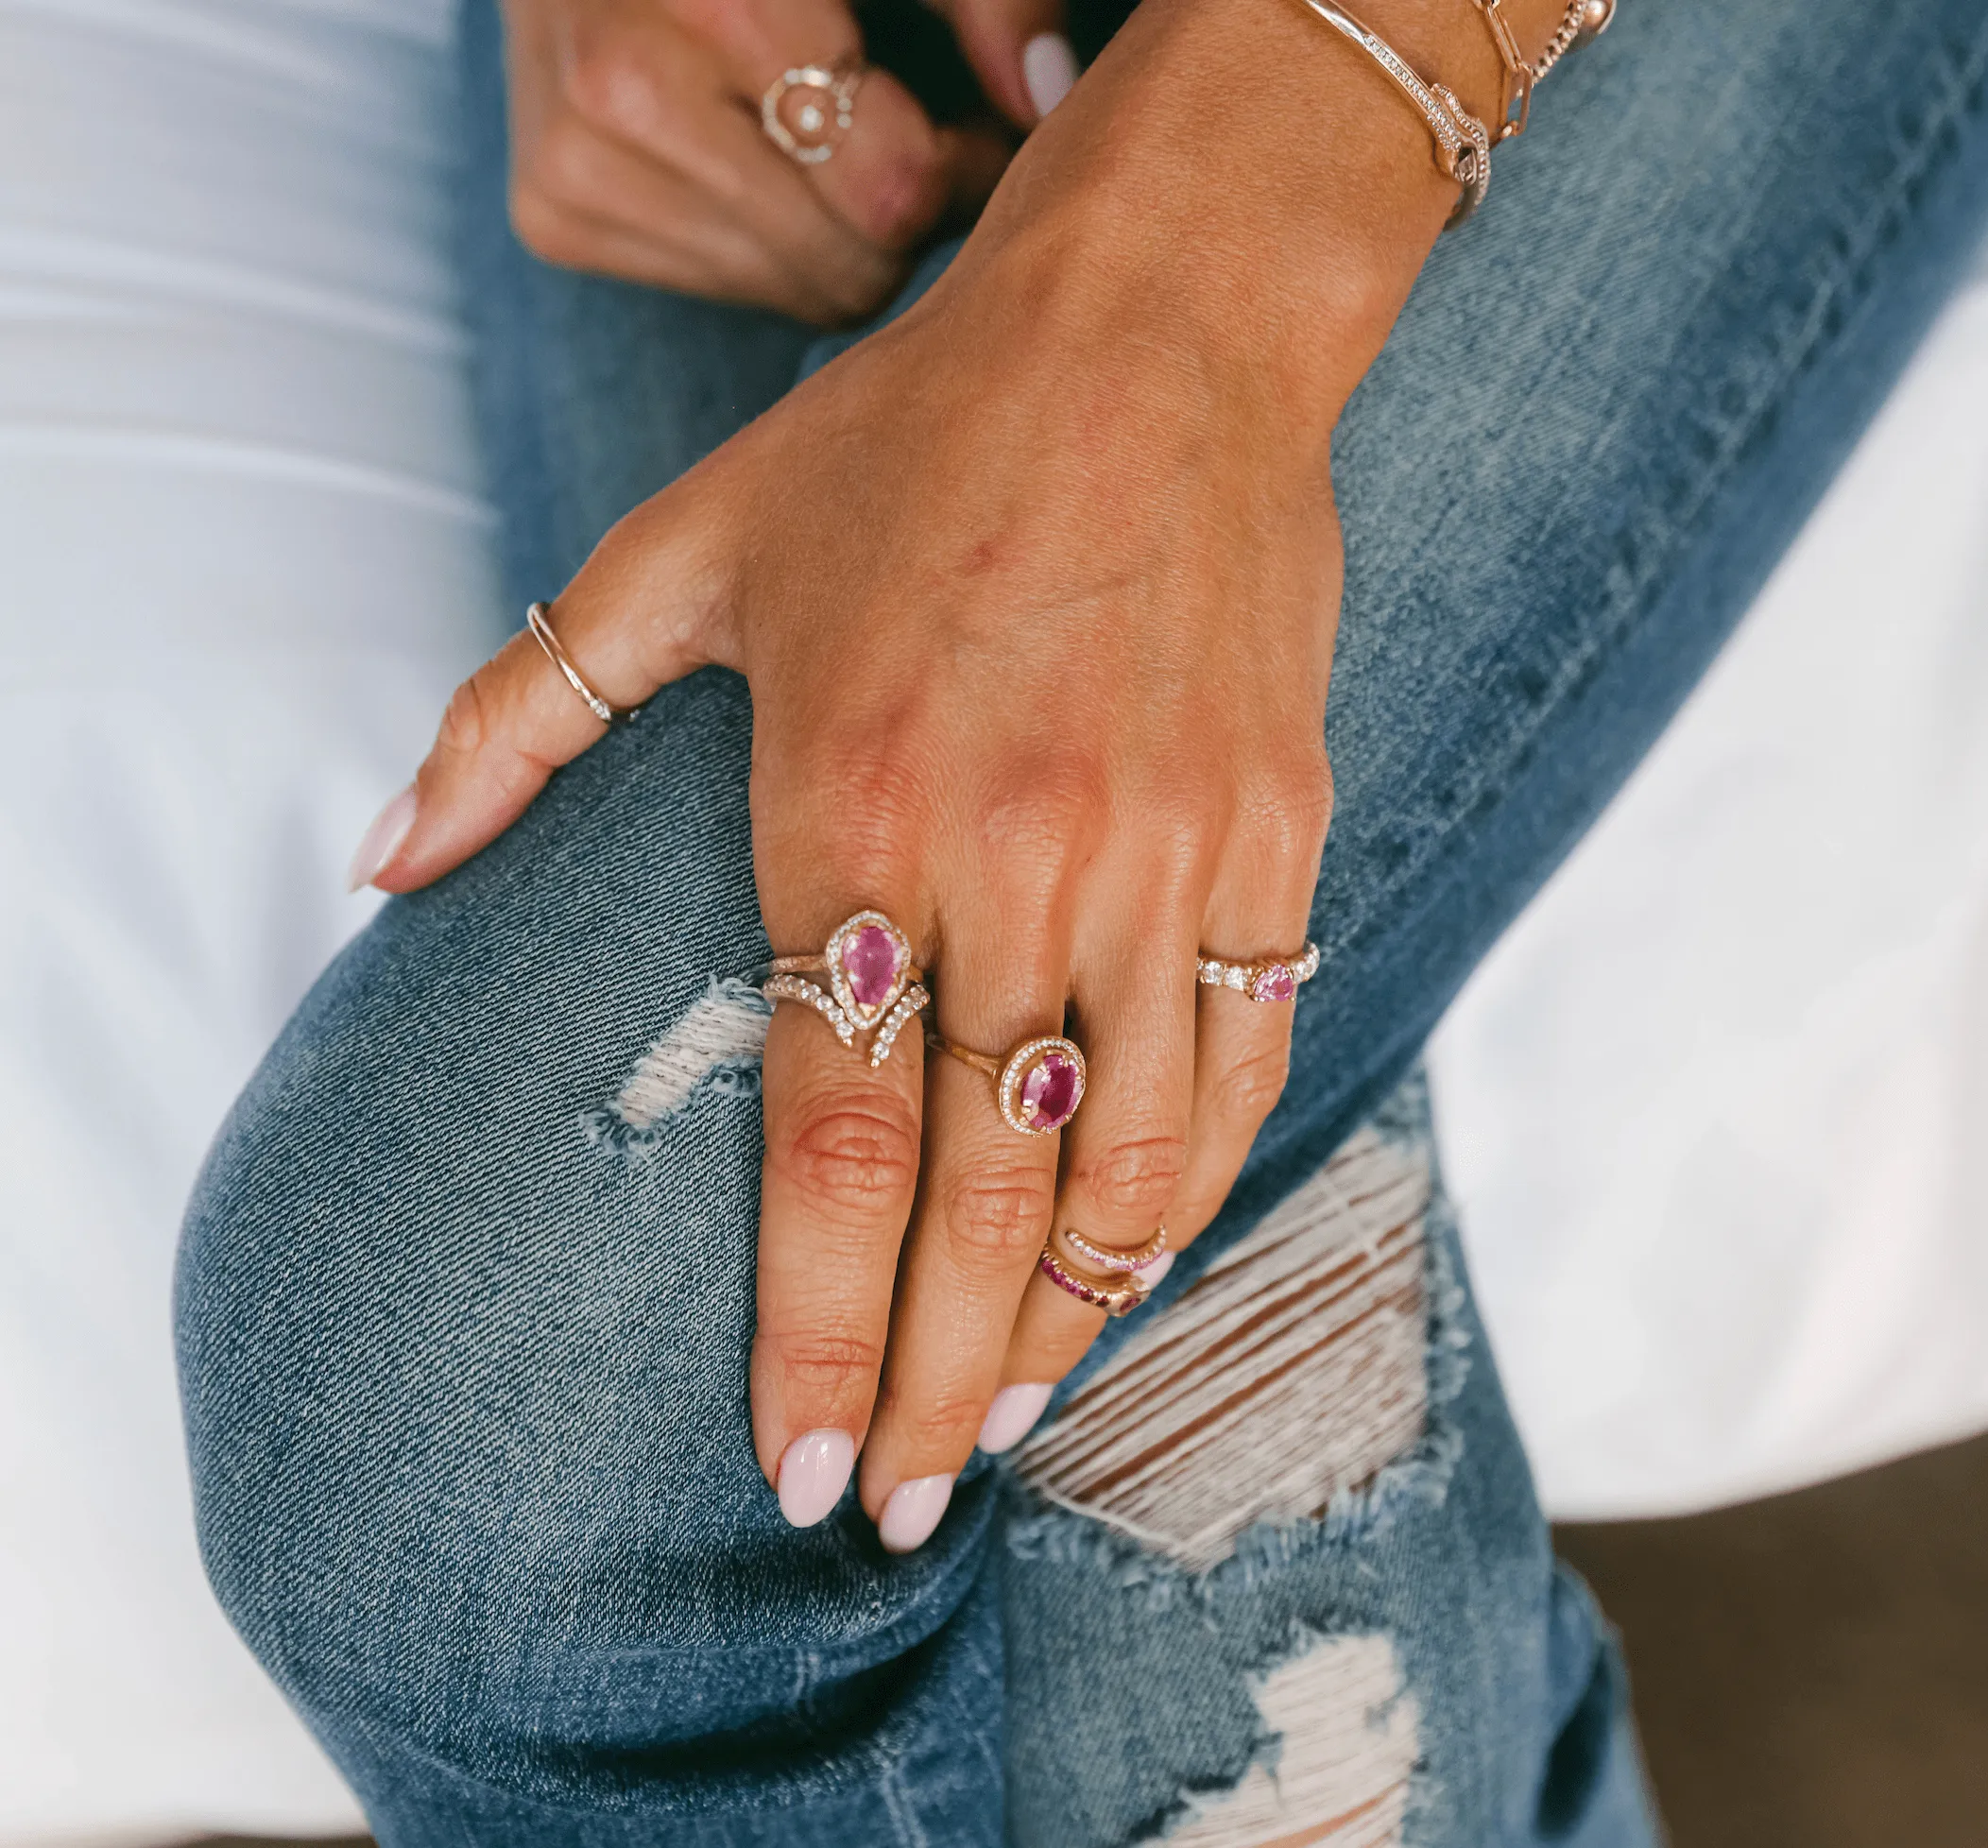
[[1715, 1109], [1706, 1109], [245, 561]]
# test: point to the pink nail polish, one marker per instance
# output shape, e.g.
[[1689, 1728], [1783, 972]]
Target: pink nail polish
[[381, 841], [1049, 70], [814, 1470], [1158, 1269], [1012, 1416], [912, 1511]]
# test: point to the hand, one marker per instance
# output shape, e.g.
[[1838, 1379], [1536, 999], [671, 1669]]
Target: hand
[[1035, 591], [638, 150]]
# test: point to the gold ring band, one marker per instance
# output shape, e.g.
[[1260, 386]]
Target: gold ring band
[[534, 620], [1036, 1087]]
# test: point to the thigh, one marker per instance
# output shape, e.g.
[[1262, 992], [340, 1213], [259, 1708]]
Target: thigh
[[465, 1302]]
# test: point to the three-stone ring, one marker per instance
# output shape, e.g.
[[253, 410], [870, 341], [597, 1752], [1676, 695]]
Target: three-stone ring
[[873, 983], [1038, 1087], [1272, 978], [823, 106]]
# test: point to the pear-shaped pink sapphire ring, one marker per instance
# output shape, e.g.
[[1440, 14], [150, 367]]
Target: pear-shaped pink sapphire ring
[[1038, 1087], [874, 987], [1274, 979]]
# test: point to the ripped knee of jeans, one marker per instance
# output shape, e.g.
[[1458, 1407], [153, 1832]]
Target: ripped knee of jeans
[[1293, 1369]]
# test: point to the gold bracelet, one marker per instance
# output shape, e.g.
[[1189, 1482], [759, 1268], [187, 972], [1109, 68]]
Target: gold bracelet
[[1585, 20], [1462, 143], [1516, 107]]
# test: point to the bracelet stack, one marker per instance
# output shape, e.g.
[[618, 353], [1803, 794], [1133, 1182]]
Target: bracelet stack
[[1461, 143]]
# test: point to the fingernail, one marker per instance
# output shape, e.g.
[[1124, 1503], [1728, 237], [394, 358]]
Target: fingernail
[[1158, 1269], [381, 841], [912, 1511], [1049, 69], [1012, 1416], [814, 1470]]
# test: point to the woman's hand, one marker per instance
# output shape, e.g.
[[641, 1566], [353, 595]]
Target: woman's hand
[[1035, 591], [637, 148]]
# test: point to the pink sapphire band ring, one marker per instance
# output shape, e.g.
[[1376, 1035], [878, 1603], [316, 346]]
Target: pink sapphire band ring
[[1119, 1298], [874, 987], [1274, 979], [1038, 1087], [1080, 1250]]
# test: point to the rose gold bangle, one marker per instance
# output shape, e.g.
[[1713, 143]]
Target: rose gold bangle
[[1462, 143]]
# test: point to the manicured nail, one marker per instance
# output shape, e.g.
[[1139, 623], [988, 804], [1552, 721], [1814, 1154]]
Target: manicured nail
[[1012, 1416], [1158, 1269], [814, 1470], [1049, 70], [912, 1511], [381, 841]]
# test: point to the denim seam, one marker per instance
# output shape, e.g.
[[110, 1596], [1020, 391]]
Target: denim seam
[[1856, 249]]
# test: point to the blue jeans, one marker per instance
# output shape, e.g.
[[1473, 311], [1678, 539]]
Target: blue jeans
[[466, 1293]]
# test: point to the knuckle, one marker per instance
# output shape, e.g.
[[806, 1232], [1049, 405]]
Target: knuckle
[[854, 1159], [823, 1364], [565, 164], [542, 226], [904, 194], [1247, 1088], [605, 85], [1137, 1178], [1003, 1214], [466, 721], [1290, 809]]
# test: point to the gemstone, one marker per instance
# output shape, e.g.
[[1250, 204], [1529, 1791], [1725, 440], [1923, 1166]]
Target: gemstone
[[870, 960], [1276, 984], [812, 119], [1048, 1093]]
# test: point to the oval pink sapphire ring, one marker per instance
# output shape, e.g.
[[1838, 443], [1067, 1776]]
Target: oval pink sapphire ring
[[1038, 1085], [1275, 979], [873, 983]]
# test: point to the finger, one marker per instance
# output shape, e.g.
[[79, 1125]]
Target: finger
[[840, 1170], [667, 100], [893, 174], [647, 607], [589, 202], [982, 1216], [1018, 51], [1259, 908]]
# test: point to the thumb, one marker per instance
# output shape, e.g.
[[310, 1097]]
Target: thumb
[[646, 609], [1019, 52]]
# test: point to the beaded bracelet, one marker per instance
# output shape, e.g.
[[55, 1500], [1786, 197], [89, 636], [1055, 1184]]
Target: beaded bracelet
[[1462, 143]]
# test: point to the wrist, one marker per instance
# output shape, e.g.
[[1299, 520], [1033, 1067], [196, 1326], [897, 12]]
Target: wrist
[[1255, 180]]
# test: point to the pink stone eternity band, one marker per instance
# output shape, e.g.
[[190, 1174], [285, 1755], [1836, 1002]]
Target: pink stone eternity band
[[1274, 979], [874, 987]]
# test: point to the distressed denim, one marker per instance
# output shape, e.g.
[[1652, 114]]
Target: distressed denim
[[466, 1294]]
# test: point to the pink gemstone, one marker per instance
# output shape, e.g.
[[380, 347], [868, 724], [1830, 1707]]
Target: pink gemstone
[[1048, 1093], [869, 959], [1276, 984]]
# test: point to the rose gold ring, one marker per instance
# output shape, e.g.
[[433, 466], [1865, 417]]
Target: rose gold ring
[[1038, 1087], [811, 126], [1080, 1250], [873, 983], [1113, 1298], [534, 620], [1274, 979]]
